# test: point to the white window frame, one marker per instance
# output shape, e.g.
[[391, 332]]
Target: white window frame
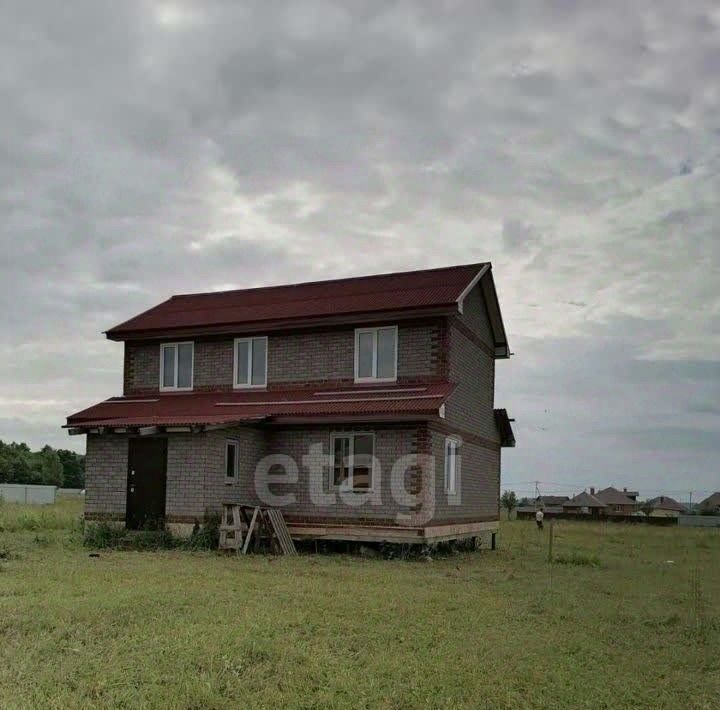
[[451, 482], [175, 388], [248, 384], [349, 484], [229, 480], [374, 331]]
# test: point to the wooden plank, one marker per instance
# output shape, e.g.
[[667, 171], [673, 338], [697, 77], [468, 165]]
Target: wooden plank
[[281, 531], [250, 531], [461, 529], [368, 533], [231, 537], [398, 534], [148, 430]]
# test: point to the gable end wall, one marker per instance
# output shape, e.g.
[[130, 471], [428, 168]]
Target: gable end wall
[[470, 417]]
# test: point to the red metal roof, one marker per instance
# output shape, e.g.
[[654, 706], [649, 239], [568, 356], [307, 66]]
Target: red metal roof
[[404, 291], [170, 409]]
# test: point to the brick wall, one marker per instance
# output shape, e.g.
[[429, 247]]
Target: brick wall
[[252, 446], [196, 479], [470, 407], [469, 416], [213, 365], [478, 483], [186, 471], [390, 444], [197, 482], [293, 358], [142, 368], [106, 465]]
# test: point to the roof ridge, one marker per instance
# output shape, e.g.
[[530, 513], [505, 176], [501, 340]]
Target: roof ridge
[[343, 279]]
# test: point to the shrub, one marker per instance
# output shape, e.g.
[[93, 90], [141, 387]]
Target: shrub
[[207, 535], [102, 535]]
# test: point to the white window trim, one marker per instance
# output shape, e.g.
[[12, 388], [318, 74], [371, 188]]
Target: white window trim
[[249, 385], [349, 485], [374, 331], [452, 490], [229, 480], [175, 388]]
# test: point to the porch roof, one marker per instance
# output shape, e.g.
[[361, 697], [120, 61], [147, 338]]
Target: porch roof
[[394, 402]]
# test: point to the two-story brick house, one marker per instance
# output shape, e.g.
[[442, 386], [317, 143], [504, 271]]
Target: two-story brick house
[[362, 408]]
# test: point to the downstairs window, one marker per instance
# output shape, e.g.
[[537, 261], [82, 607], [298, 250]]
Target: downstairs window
[[452, 465], [231, 461], [353, 461]]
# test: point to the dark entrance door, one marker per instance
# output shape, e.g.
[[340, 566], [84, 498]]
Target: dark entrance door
[[147, 475]]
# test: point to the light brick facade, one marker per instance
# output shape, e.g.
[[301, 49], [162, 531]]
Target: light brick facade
[[314, 358], [106, 467]]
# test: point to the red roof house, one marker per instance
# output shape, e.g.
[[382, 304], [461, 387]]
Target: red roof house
[[321, 390]]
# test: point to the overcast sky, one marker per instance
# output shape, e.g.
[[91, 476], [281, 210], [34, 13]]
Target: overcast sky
[[152, 148]]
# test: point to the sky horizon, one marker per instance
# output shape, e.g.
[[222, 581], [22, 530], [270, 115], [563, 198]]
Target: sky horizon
[[158, 148]]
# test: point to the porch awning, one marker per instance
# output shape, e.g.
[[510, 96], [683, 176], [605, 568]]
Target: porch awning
[[390, 403]]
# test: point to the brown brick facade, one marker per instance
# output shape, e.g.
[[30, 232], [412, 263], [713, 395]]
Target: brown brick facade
[[311, 358]]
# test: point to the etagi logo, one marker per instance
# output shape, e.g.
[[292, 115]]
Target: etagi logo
[[406, 491]]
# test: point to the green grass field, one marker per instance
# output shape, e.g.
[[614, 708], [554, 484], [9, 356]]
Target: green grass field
[[631, 618]]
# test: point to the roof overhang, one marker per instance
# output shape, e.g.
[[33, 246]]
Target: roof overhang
[[487, 283], [199, 411], [504, 427], [287, 324]]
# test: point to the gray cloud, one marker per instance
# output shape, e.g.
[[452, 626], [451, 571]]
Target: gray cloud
[[152, 148]]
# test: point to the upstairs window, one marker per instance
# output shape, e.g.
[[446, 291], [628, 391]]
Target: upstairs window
[[353, 461], [452, 465], [376, 354], [176, 366], [251, 362]]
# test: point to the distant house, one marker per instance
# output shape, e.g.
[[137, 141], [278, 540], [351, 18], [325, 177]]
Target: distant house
[[550, 504], [632, 495], [617, 502], [551, 501], [585, 504], [711, 505], [664, 507]]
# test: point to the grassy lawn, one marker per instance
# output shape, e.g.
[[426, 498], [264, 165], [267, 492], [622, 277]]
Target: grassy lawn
[[616, 625]]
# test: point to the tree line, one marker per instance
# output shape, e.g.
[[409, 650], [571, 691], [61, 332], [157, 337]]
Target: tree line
[[48, 466]]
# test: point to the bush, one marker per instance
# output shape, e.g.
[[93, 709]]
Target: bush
[[207, 535], [102, 535]]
